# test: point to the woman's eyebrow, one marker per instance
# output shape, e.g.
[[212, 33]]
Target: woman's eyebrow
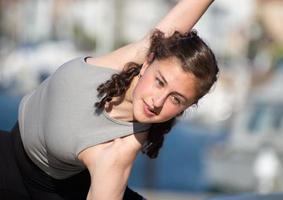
[[162, 77], [177, 93], [185, 98]]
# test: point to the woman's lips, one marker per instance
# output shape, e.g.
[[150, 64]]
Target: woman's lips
[[147, 110]]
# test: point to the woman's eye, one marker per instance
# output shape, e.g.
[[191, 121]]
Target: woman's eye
[[176, 100], [159, 82]]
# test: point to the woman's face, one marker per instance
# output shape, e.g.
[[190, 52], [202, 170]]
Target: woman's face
[[163, 91]]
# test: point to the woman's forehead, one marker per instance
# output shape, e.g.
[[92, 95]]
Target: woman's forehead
[[172, 69]]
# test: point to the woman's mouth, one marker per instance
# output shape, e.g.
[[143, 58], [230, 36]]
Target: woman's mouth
[[147, 111]]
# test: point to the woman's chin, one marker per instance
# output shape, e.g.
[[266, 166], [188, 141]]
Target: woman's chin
[[143, 120], [140, 117]]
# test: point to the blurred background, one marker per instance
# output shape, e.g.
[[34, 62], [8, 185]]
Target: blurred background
[[231, 142]]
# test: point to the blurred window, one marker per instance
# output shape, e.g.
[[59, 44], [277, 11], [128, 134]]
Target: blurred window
[[266, 118], [278, 118], [256, 120]]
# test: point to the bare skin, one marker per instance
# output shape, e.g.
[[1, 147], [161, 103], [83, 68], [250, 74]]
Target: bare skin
[[110, 163]]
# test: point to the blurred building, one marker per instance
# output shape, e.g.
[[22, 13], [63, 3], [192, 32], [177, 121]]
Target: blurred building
[[252, 158], [37, 36]]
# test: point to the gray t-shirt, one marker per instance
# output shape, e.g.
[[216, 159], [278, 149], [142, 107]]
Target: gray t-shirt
[[58, 119]]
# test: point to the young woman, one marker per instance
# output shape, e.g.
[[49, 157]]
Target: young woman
[[80, 131]]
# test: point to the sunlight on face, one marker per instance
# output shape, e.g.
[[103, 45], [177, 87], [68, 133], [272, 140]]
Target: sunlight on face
[[163, 91]]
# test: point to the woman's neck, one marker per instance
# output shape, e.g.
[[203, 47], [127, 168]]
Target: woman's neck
[[122, 107]]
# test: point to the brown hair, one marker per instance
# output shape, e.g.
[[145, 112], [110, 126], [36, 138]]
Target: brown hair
[[196, 58]]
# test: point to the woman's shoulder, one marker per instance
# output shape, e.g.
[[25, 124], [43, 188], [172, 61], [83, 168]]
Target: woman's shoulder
[[85, 66]]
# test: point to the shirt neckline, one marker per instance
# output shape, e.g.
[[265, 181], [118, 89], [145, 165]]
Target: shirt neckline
[[116, 120]]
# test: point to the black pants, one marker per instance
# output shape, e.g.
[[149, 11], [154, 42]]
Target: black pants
[[21, 179]]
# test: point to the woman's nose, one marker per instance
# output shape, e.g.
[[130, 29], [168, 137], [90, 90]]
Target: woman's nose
[[159, 100]]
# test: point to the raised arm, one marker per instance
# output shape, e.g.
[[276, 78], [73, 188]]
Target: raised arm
[[182, 17]]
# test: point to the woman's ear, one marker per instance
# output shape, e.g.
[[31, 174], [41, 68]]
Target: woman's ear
[[150, 57], [147, 62], [144, 66]]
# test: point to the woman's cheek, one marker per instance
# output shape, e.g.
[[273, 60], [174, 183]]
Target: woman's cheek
[[170, 110], [143, 87]]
